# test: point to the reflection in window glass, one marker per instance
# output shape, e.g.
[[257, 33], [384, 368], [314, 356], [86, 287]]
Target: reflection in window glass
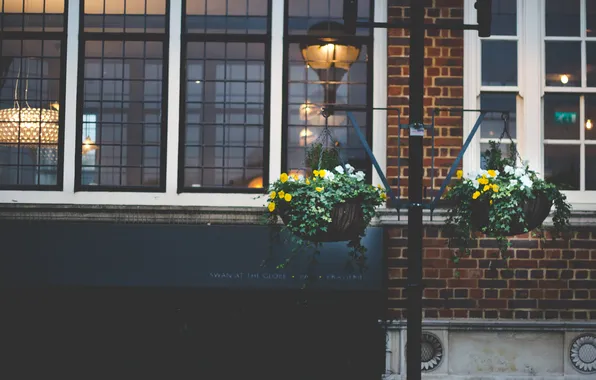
[[32, 15], [123, 99], [30, 94], [562, 17], [225, 99], [504, 147], [563, 63], [591, 18], [493, 124], [561, 116], [309, 90], [591, 63], [504, 18], [227, 16], [590, 127], [590, 167], [499, 63], [561, 165], [303, 14], [225, 108], [117, 16]]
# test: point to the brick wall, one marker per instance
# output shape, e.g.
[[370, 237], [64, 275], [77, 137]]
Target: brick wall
[[544, 279], [443, 89]]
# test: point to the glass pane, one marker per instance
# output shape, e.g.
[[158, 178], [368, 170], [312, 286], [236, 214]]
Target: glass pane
[[562, 17], [32, 15], [590, 128], [561, 116], [590, 167], [122, 114], [561, 165], [225, 104], [504, 21], [591, 63], [493, 124], [308, 15], [132, 16], [504, 147], [310, 91], [590, 18], [227, 16], [563, 64], [499, 63], [30, 95]]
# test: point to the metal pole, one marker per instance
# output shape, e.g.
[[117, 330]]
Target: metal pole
[[414, 283]]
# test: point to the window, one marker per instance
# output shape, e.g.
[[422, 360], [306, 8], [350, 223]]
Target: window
[[122, 95], [32, 46], [569, 103], [499, 78], [225, 105], [325, 66]]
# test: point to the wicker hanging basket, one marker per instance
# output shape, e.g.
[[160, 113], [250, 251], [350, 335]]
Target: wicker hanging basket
[[347, 222], [535, 212]]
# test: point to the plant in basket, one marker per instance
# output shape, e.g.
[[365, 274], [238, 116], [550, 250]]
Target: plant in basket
[[505, 200], [333, 203]]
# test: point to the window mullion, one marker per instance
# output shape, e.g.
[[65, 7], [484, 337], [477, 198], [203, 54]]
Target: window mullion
[[70, 106], [276, 88], [174, 72]]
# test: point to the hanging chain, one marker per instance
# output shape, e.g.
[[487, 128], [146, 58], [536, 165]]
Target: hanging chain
[[324, 139], [505, 132]]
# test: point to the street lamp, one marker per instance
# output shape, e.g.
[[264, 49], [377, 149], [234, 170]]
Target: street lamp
[[330, 55]]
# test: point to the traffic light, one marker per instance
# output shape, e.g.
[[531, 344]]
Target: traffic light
[[350, 16], [483, 16]]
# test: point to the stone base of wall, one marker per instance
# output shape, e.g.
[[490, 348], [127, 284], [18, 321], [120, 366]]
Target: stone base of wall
[[498, 350]]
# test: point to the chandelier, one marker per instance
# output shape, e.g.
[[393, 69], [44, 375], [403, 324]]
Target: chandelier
[[28, 126]]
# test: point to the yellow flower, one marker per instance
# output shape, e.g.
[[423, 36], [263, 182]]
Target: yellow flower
[[283, 177], [322, 173], [459, 174], [271, 207], [483, 181], [307, 181], [492, 173], [281, 194], [315, 173], [476, 195], [491, 201], [383, 196], [319, 189], [486, 187], [272, 195], [288, 197], [496, 188]]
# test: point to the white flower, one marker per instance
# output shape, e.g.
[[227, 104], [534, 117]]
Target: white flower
[[484, 173], [526, 181], [509, 169], [475, 183], [339, 169], [513, 182], [359, 176], [329, 175], [301, 178], [519, 172], [349, 168]]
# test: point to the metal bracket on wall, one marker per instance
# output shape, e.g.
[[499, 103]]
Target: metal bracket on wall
[[395, 202]]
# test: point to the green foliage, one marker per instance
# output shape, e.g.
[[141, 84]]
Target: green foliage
[[504, 188], [306, 204], [320, 157]]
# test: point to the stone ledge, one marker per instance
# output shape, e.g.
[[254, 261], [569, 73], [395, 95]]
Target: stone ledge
[[207, 215], [499, 325]]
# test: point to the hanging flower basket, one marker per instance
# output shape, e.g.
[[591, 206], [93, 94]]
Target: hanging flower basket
[[347, 222], [505, 200], [535, 211]]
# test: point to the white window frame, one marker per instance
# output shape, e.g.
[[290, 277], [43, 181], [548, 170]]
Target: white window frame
[[171, 197], [531, 89]]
